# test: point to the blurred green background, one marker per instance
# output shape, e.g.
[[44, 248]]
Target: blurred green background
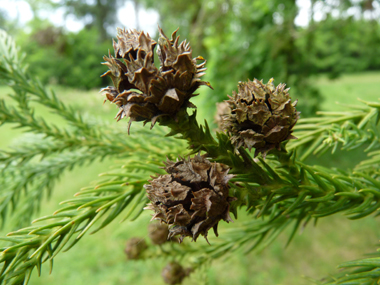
[[326, 51]]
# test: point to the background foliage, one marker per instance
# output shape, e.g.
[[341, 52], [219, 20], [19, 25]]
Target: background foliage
[[227, 33]]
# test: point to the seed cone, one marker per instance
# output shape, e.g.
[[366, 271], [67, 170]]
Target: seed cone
[[135, 247], [141, 91], [262, 116], [222, 110], [158, 233], [192, 198], [174, 273]]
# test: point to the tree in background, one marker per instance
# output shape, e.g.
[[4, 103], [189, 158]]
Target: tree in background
[[354, 51], [65, 58], [3, 19], [62, 57], [98, 14], [68, 58], [247, 38], [6, 24]]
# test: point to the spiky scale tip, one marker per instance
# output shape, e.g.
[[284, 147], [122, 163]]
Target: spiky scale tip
[[260, 116], [192, 198], [141, 91]]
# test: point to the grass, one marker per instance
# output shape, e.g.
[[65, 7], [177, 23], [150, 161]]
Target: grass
[[347, 89], [99, 259]]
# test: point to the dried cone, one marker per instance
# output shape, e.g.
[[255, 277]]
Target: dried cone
[[192, 198], [135, 247], [174, 273], [262, 116], [141, 91], [222, 110], [158, 233]]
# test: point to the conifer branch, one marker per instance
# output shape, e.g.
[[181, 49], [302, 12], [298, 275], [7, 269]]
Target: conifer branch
[[24, 185], [92, 207], [362, 271], [9, 55], [260, 186], [370, 165], [199, 138], [280, 190], [349, 129], [289, 200], [21, 174], [15, 73], [292, 192], [108, 143]]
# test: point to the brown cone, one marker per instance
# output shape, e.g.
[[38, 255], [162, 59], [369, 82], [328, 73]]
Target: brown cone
[[135, 247], [174, 273], [141, 91], [192, 198], [222, 111], [158, 233], [262, 116]]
